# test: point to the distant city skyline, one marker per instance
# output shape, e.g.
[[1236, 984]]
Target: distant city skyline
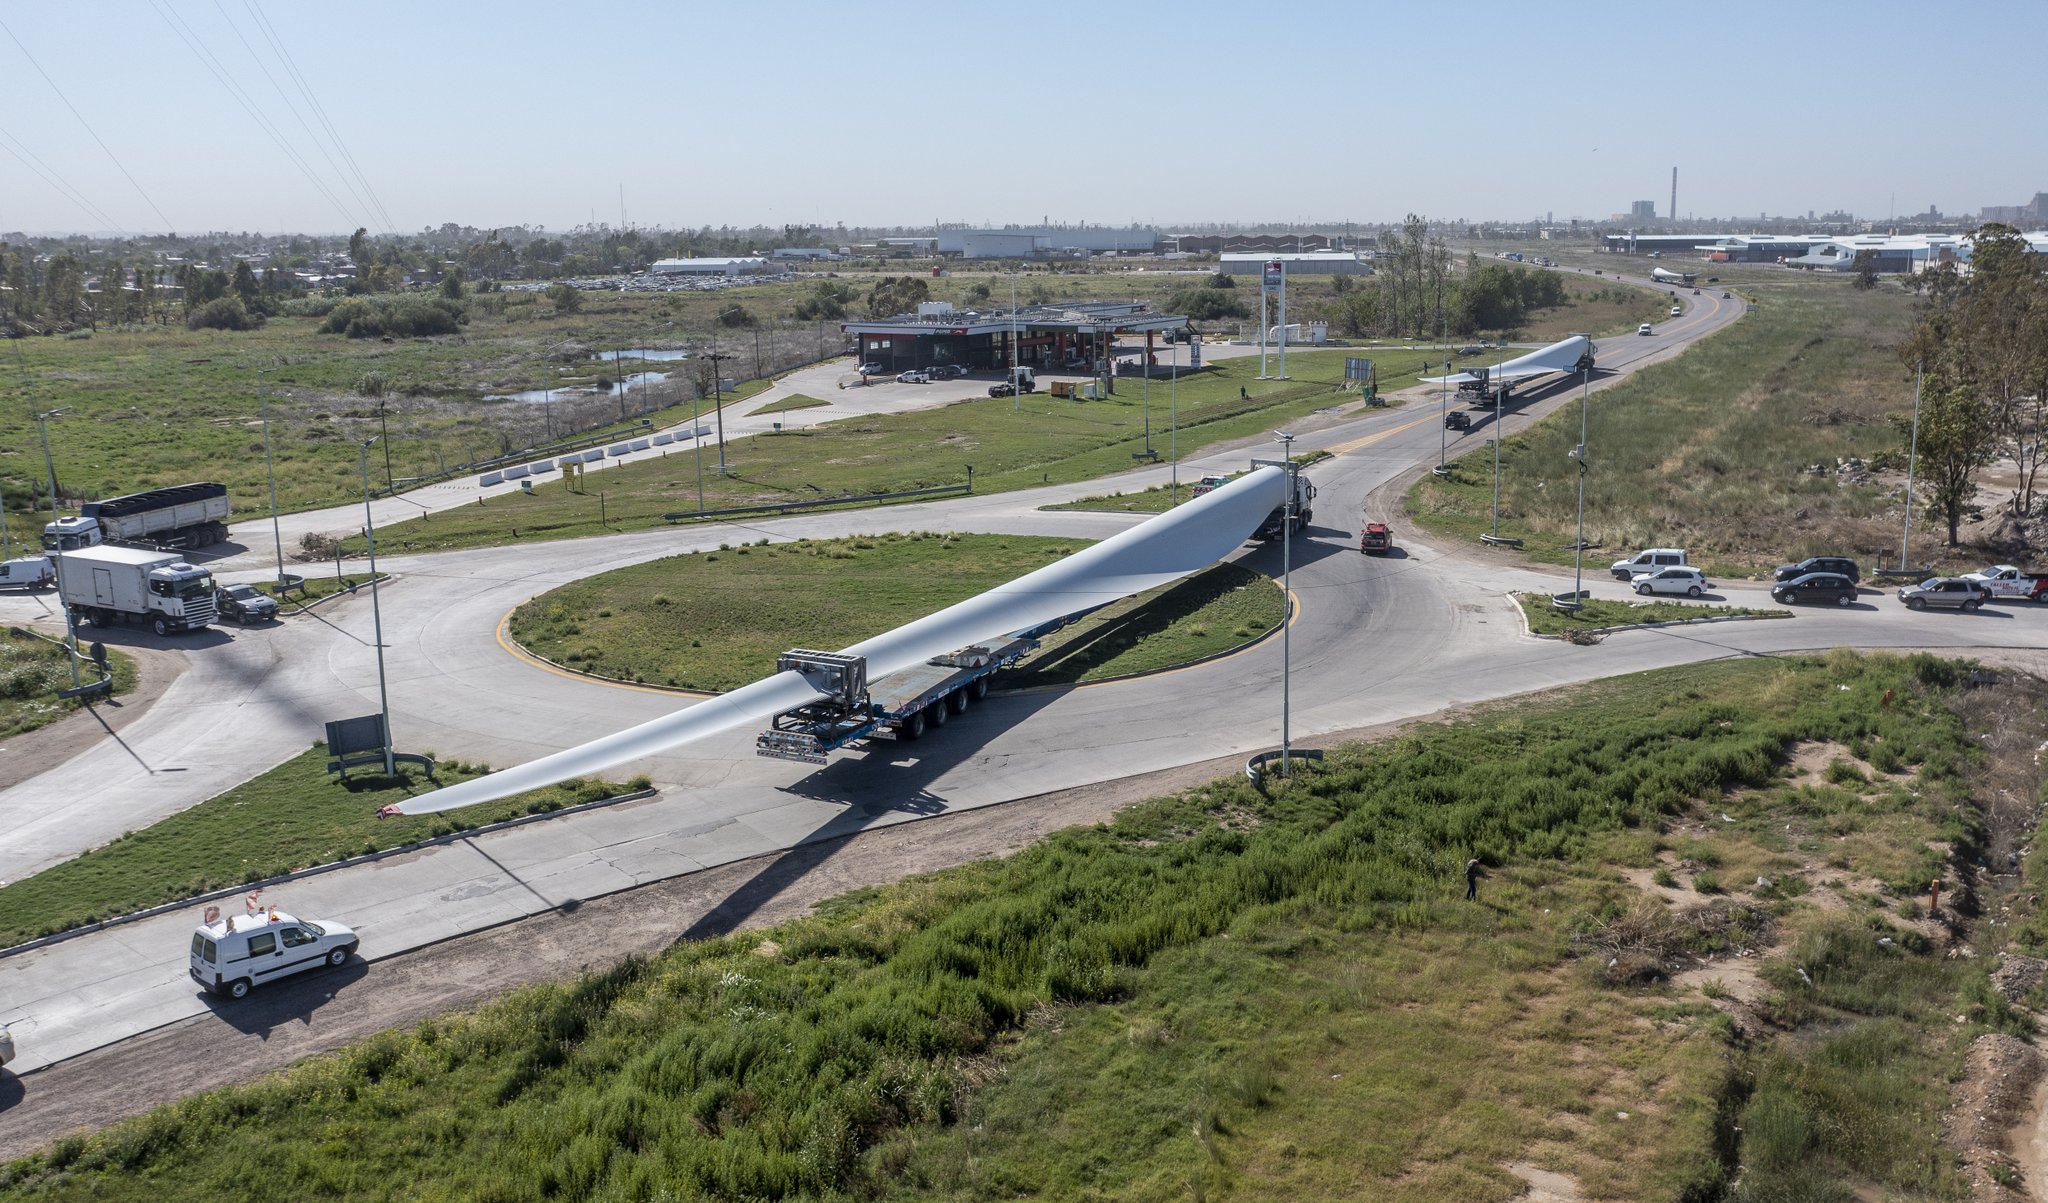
[[244, 115]]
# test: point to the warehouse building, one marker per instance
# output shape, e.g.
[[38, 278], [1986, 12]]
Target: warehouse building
[[1024, 242], [1304, 263], [739, 266], [1047, 336]]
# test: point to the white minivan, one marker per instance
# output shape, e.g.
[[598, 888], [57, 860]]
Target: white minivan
[[234, 954], [1648, 560]]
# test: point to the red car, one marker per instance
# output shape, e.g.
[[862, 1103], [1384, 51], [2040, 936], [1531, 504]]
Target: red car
[[1377, 539]]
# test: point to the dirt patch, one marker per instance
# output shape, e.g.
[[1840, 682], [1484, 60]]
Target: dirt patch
[[1545, 1186], [38, 751], [1988, 1123], [1811, 757]]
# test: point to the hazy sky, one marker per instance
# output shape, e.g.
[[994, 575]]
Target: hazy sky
[[903, 113]]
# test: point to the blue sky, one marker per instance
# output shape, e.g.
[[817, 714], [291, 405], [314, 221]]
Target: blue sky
[[905, 113]]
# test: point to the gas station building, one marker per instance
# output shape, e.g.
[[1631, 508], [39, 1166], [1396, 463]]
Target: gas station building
[[1078, 337]]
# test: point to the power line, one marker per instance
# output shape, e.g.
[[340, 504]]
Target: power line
[[56, 181], [234, 89], [312, 100], [88, 126]]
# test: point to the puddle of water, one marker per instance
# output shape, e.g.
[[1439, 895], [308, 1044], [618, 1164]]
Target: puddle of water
[[538, 396]]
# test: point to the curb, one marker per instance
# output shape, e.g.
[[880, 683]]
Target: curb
[[383, 578], [317, 870], [1649, 626]]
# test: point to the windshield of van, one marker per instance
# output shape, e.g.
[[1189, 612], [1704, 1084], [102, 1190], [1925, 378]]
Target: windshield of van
[[315, 928]]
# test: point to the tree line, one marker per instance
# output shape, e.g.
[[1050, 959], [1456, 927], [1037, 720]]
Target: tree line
[[1980, 346]]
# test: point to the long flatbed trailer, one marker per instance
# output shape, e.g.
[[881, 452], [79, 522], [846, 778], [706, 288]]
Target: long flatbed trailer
[[901, 705]]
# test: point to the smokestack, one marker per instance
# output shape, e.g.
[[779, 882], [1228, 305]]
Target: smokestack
[[1674, 194]]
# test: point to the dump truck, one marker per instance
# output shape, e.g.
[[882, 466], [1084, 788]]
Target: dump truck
[[105, 585], [182, 516], [902, 705]]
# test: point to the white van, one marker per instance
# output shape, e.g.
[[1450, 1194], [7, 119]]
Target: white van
[[1649, 560], [239, 952]]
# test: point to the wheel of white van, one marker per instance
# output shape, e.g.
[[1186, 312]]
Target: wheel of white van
[[336, 956], [912, 727], [979, 688], [158, 625], [239, 988], [935, 714], [957, 700]]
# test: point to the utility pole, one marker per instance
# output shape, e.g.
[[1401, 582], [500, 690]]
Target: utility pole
[[43, 425], [1579, 454], [270, 470], [376, 611], [1497, 395], [384, 436], [1912, 458], [718, 405]]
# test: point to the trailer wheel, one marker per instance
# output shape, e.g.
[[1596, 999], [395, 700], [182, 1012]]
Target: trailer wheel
[[957, 700], [99, 617], [935, 714], [912, 727], [979, 687]]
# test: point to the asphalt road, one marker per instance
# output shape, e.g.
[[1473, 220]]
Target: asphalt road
[[1374, 640]]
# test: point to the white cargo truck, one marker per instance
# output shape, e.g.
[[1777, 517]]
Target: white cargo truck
[[108, 585], [190, 515]]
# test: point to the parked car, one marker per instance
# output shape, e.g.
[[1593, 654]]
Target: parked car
[[913, 376], [232, 955], [1838, 565], [1457, 419], [244, 604], [1950, 592], [1648, 560], [1644, 329], [945, 371], [1689, 581], [1815, 587], [872, 369]]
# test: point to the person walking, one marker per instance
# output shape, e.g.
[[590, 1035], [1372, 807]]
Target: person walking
[[1472, 880]]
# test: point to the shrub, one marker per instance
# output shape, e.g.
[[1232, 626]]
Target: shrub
[[395, 317], [223, 313]]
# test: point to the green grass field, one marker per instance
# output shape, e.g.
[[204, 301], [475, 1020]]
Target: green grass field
[[793, 401], [1010, 445], [1709, 451], [1217, 993], [295, 816], [32, 671], [717, 620], [1595, 613]]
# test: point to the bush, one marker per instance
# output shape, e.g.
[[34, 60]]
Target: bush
[[224, 313], [395, 317]]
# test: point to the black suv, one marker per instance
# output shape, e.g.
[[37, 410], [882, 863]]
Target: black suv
[[1838, 565], [1457, 419]]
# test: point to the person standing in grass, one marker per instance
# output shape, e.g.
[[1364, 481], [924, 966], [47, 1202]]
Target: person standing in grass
[[1472, 880]]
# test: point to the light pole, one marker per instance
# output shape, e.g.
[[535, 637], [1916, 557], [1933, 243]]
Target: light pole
[[1497, 394], [1912, 455], [270, 470], [1286, 597], [1173, 437], [49, 465], [1443, 405], [1016, 351], [697, 439], [376, 611], [718, 405], [1579, 454]]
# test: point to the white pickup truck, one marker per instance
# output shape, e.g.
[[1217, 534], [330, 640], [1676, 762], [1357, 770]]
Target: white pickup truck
[[2007, 580]]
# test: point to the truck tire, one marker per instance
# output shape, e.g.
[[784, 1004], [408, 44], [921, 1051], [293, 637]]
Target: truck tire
[[979, 688], [158, 625], [935, 714], [99, 617], [957, 700], [912, 727]]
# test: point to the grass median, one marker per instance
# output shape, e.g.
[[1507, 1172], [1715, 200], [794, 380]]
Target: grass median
[[1597, 613], [295, 816], [33, 671], [1216, 993], [1711, 451], [716, 620], [1011, 444]]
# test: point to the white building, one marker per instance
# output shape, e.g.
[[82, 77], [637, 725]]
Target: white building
[[740, 266]]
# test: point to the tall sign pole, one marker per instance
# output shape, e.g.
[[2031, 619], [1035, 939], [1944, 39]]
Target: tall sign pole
[[1912, 457]]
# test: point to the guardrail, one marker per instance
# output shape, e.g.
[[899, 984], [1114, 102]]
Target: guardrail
[[1255, 768]]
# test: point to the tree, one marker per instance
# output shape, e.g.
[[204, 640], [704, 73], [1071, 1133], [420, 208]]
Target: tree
[[567, 298], [1207, 304], [827, 302], [451, 285], [1957, 438], [735, 316], [246, 286], [896, 295], [1866, 269]]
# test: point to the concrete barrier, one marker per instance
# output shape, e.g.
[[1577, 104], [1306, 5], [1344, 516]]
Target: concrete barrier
[[618, 449], [663, 440], [546, 465], [491, 478], [515, 472], [638, 445]]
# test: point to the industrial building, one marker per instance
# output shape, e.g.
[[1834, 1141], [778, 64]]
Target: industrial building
[[1900, 254], [1304, 263], [1047, 336], [738, 266], [1023, 242]]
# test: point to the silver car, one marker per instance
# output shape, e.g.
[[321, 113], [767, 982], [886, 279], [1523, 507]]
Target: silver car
[[1951, 592]]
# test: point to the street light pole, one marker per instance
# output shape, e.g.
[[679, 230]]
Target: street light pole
[[1443, 405], [49, 465], [1286, 599], [376, 611], [270, 470], [718, 405], [1016, 351], [1912, 455], [1579, 548], [1497, 393], [697, 439], [1173, 438]]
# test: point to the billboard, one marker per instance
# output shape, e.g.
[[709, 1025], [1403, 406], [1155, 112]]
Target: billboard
[[1274, 275]]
